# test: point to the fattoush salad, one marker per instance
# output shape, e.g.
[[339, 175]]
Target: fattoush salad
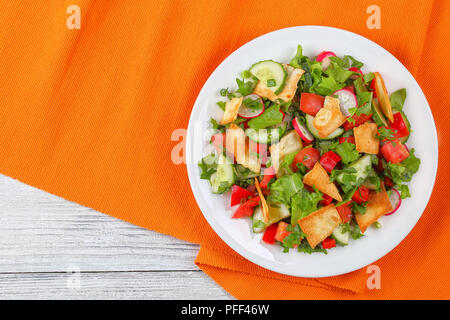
[[313, 152]]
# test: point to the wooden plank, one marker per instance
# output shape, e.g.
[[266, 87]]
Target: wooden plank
[[111, 285], [40, 232]]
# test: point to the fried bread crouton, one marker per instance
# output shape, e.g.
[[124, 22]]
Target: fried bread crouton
[[319, 178], [238, 145], [290, 143], [231, 110], [290, 87], [377, 206], [329, 118], [320, 224], [365, 138]]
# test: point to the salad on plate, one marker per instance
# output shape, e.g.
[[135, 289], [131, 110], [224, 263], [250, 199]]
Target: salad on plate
[[313, 152]]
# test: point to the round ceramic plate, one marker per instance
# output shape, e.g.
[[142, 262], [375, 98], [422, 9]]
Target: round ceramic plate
[[281, 46]]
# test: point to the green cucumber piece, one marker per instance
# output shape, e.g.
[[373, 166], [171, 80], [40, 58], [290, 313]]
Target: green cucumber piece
[[340, 236], [223, 179], [265, 136], [276, 214], [377, 116], [362, 167], [313, 130], [272, 74], [372, 181]]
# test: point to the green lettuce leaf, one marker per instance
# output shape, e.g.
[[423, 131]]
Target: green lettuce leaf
[[284, 188], [397, 99], [347, 151], [270, 117], [303, 203]]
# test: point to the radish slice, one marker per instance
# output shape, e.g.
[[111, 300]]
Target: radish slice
[[324, 57], [396, 201], [347, 100], [251, 112], [302, 131]]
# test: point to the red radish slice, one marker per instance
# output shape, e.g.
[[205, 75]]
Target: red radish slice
[[302, 131], [249, 113], [396, 201], [354, 69], [347, 100], [324, 57]]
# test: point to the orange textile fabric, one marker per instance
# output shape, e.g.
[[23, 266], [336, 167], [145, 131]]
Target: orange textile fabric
[[88, 115]]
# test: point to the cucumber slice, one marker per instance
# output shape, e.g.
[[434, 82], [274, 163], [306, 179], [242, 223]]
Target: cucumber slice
[[272, 74], [340, 236], [223, 179], [276, 214], [258, 223], [313, 130], [372, 181], [362, 167], [377, 116], [265, 136]]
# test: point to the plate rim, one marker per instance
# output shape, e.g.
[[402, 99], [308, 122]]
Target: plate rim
[[248, 254]]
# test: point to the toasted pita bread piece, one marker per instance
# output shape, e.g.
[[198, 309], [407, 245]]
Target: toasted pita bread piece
[[377, 206], [329, 118], [264, 207], [238, 145], [290, 87], [320, 224], [319, 178], [231, 110], [365, 138], [290, 143]]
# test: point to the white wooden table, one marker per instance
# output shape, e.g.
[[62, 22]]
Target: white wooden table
[[51, 248]]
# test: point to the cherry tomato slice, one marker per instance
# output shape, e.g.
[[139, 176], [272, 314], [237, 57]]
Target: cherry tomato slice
[[311, 103], [308, 157], [394, 151]]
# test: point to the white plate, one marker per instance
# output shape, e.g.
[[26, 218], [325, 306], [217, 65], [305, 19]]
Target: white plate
[[281, 46]]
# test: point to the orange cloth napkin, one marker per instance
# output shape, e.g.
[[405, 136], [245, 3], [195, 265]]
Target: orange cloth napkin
[[88, 115]]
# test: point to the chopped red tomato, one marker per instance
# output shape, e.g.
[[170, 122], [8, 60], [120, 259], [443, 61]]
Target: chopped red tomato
[[361, 195], [269, 173], [218, 141], [308, 156], [372, 87], [354, 69], [329, 160], [399, 125], [326, 200], [281, 231], [388, 182], [259, 148], [246, 209], [239, 193], [394, 151], [311, 103], [345, 211], [328, 243], [351, 88], [349, 139], [379, 168], [269, 234], [359, 120]]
